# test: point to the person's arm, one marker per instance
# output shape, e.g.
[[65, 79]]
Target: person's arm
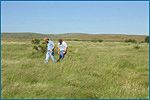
[[53, 46], [50, 46], [66, 47]]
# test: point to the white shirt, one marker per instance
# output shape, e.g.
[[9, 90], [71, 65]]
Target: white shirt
[[63, 46], [50, 45]]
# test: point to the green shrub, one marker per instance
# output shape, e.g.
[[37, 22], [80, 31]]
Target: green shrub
[[35, 41], [35, 48], [96, 40], [39, 47], [142, 42], [137, 47], [42, 48], [130, 40], [100, 40], [147, 39]]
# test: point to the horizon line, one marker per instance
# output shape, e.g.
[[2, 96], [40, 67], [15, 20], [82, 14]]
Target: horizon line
[[79, 33]]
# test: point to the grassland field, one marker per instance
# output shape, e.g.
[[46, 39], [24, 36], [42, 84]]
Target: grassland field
[[89, 70]]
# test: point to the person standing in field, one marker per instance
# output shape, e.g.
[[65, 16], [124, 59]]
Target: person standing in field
[[50, 50], [62, 49]]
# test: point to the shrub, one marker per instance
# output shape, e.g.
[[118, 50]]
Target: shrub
[[42, 48], [147, 39], [100, 40], [96, 40], [35, 41], [39, 47], [137, 47], [130, 40], [142, 42], [35, 48], [75, 40]]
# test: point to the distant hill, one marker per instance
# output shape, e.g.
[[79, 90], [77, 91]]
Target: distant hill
[[24, 35], [74, 36]]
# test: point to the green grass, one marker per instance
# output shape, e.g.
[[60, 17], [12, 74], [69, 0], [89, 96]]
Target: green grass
[[89, 70]]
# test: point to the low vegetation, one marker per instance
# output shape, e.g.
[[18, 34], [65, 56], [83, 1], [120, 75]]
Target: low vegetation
[[130, 40], [147, 39], [96, 40], [38, 46], [137, 46], [89, 70], [73, 37]]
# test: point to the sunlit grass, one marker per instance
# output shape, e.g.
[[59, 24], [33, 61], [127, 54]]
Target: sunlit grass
[[89, 70]]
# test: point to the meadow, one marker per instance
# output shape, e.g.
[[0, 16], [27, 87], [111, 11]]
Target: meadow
[[89, 70]]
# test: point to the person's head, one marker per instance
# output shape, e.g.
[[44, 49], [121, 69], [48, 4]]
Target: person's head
[[60, 41], [46, 39]]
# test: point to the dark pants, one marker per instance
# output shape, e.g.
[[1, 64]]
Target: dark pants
[[62, 54]]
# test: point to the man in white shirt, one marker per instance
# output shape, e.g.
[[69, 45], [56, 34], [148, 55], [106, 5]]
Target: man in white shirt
[[62, 49], [50, 50]]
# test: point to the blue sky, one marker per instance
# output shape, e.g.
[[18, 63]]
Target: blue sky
[[99, 17]]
